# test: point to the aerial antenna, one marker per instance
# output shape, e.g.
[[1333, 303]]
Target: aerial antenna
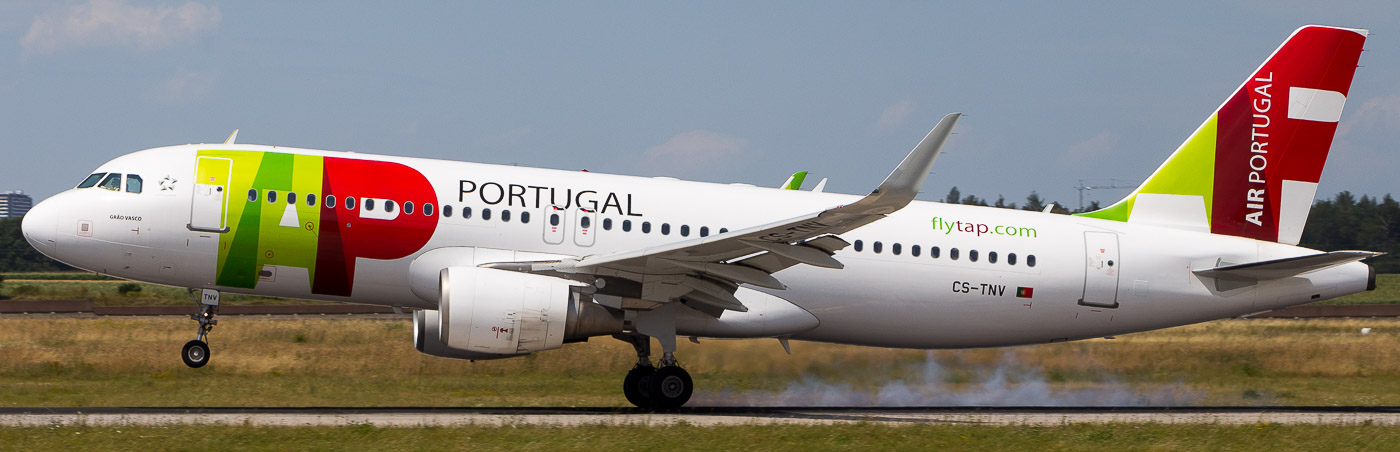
[[1098, 184]]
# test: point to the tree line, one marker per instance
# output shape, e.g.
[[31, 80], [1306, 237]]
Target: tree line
[[1344, 222]]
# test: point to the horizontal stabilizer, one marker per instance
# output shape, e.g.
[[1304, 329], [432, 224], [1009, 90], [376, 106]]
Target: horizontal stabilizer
[[1283, 268]]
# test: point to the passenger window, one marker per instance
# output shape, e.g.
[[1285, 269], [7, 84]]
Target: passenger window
[[895, 249], [91, 180], [626, 225], [991, 257], [933, 252], [554, 219], [953, 254], [1030, 260], [428, 209], [133, 183], [447, 211], [914, 250], [646, 227], [1010, 258], [859, 246], [665, 228], [585, 222], [349, 203], [876, 247], [291, 198], [330, 201], [505, 215], [467, 213], [685, 230], [408, 207], [310, 200], [723, 230], [271, 196], [389, 206], [524, 217], [607, 224], [704, 231], [486, 214], [252, 195], [369, 204], [972, 255], [113, 182]]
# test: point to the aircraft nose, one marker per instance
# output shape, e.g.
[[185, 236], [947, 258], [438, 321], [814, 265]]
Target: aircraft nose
[[40, 227]]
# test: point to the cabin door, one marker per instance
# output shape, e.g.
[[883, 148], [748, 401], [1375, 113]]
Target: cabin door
[[1101, 267], [209, 205]]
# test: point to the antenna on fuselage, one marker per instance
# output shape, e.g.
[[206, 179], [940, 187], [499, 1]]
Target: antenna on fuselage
[[231, 137]]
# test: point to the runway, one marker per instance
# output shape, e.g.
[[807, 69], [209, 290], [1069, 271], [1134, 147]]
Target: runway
[[703, 416]]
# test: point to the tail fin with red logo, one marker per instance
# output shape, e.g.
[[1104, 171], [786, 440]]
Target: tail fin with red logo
[[1251, 170]]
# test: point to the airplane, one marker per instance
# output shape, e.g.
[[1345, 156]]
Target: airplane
[[503, 261]]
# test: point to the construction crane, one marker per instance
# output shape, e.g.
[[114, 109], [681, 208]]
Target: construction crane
[[1101, 184]]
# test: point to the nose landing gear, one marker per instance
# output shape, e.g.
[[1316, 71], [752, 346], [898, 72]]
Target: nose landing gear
[[196, 352]]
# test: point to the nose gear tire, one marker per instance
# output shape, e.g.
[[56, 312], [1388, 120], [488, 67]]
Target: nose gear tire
[[195, 353]]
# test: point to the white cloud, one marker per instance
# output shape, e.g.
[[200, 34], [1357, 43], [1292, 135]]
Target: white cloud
[[894, 115], [1099, 145], [694, 150], [1377, 114], [114, 23], [185, 87]]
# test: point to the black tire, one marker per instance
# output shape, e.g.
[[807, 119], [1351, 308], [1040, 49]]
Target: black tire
[[637, 386], [195, 353], [671, 387]]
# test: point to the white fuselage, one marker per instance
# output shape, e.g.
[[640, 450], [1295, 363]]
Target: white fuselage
[[887, 295]]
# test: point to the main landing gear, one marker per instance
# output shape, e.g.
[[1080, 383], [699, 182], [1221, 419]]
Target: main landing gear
[[655, 388], [196, 352], [658, 388]]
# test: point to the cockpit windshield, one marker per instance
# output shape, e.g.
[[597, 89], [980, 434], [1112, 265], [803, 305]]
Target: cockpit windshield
[[91, 180], [113, 182]]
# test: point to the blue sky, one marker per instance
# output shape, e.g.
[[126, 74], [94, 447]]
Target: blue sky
[[717, 91]]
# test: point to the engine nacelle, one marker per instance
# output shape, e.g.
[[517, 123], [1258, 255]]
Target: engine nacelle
[[486, 313]]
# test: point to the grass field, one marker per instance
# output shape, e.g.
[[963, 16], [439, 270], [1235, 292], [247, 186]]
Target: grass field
[[329, 362], [1084, 437]]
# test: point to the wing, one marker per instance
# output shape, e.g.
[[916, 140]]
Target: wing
[[708, 270]]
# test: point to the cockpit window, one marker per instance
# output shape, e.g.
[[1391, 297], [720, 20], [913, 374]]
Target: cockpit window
[[133, 183], [91, 180], [113, 182]]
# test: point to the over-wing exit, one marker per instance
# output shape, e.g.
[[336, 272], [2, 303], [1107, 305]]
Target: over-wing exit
[[503, 261]]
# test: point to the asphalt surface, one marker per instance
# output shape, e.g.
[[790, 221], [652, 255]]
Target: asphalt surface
[[701, 416]]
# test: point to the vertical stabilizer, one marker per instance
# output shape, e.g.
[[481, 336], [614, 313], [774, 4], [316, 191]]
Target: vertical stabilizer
[[1251, 169]]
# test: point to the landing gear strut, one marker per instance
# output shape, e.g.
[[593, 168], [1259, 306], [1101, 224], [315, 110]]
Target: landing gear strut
[[196, 352]]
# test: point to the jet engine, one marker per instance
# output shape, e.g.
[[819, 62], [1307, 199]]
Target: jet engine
[[486, 313]]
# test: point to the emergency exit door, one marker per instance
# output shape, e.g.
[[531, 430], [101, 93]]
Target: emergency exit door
[[1101, 269]]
